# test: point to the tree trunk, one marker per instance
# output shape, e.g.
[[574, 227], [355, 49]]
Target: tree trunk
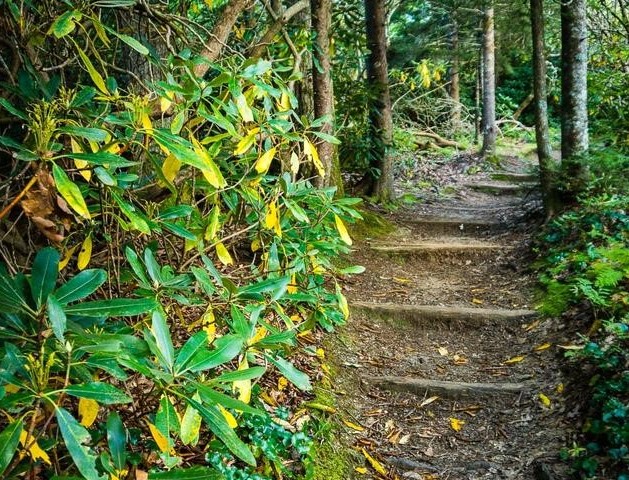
[[455, 84], [574, 116], [542, 136], [380, 118], [488, 125], [323, 90]]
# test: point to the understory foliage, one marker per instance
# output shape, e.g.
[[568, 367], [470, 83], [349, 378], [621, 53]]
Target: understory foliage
[[585, 272], [187, 256]]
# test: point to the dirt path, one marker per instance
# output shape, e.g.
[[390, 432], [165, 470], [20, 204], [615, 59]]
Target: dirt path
[[445, 363]]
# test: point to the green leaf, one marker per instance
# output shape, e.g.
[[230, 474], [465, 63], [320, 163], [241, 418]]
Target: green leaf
[[152, 267], [193, 473], [228, 347], [238, 375], [77, 439], [57, 317], [4, 103], [64, 24], [94, 75], [324, 136], [88, 133], [117, 307], [265, 286], [44, 274], [211, 396], [132, 42], [11, 298], [217, 423], [137, 266], [117, 440], [179, 231], [298, 378], [70, 191], [166, 419], [99, 391], [81, 285], [101, 158], [354, 269], [195, 343], [240, 324], [9, 439], [161, 333]]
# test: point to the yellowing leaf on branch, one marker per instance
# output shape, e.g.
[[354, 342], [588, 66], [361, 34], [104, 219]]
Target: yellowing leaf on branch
[[243, 387], [223, 254], [513, 360], [311, 152], [34, 450], [211, 172], [70, 191], [67, 255], [264, 162], [272, 219], [343, 305], [340, 226], [88, 411], [163, 443], [229, 418], [246, 142], [81, 165], [85, 254], [243, 108], [212, 226], [170, 168], [456, 424], [376, 465]]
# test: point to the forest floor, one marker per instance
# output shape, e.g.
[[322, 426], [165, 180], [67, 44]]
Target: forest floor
[[445, 370]]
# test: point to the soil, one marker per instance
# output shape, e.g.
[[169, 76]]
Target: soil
[[454, 245]]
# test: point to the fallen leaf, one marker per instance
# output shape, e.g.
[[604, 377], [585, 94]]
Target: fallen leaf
[[456, 424], [404, 439], [282, 383], [443, 351], [361, 470], [354, 426], [545, 400], [401, 280], [428, 401], [477, 301], [560, 388], [542, 347], [513, 360], [377, 466], [530, 326], [459, 360], [571, 347]]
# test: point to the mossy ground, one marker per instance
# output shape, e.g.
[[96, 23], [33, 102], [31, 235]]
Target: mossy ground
[[372, 225]]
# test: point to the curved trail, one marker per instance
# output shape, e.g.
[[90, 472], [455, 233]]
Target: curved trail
[[447, 366]]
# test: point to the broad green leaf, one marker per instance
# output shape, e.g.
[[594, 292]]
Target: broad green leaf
[[4, 103], [161, 333], [166, 418], [56, 317], [176, 211], [218, 425], [152, 267], [298, 378], [77, 440], [180, 231], [44, 274], [88, 133], [117, 440], [211, 396], [11, 298], [324, 136], [136, 220], [9, 439], [64, 24], [102, 392], [195, 343], [274, 286], [191, 424], [240, 324], [117, 307], [237, 375], [228, 347], [101, 158], [81, 285], [354, 269], [70, 192], [94, 75], [137, 266], [193, 473], [132, 42]]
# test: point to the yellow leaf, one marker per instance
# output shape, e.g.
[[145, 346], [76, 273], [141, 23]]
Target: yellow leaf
[[340, 226], [34, 450], [261, 332], [354, 426], [545, 400], [146, 121], [170, 168], [282, 383], [231, 420], [243, 387], [67, 256], [162, 442], [212, 226], [255, 245], [377, 466], [560, 388], [343, 306], [243, 108], [211, 332], [223, 254], [544, 346], [456, 424], [361, 470], [167, 101], [272, 219], [477, 301], [320, 353], [264, 162], [311, 152], [10, 388], [284, 102], [85, 254], [211, 172], [88, 411], [292, 286], [81, 165], [294, 163], [513, 360], [425, 74]]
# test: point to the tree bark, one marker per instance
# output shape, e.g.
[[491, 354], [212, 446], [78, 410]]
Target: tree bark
[[542, 135], [455, 84], [380, 118], [214, 46], [323, 90], [488, 125], [574, 116]]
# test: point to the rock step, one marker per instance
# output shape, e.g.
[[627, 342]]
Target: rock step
[[439, 226], [439, 249], [515, 177], [502, 188], [433, 316], [445, 389]]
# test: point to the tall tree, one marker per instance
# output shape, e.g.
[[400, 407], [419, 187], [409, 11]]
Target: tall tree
[[542, 136], [488, 125], [574, 115], [455, 76], [380, 118], [323, 90]]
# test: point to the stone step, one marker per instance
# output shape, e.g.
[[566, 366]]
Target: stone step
[[439, 251], [436, 317], [434, 226], [502, 188], [515, 177], [445, 389]]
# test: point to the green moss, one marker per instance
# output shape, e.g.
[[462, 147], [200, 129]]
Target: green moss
[[372, 225]]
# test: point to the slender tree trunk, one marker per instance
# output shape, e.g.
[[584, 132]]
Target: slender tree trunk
[[542, 136], [455, 84], [380, 118], [574, 116], [323, 90], [488, 125]]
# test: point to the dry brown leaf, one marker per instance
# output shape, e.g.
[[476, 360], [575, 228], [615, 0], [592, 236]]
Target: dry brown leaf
[[428, 401], [530, 326], [404, 439], [477, 301], [443, 351]]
